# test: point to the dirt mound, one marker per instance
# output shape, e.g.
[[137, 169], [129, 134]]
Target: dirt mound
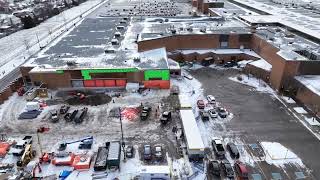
[[92, 100]]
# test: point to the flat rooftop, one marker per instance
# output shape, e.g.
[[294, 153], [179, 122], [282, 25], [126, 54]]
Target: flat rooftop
[[295, 20]]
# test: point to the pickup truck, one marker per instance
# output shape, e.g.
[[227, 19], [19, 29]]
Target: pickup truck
[[218, 148], [18, 148], [165, 117]]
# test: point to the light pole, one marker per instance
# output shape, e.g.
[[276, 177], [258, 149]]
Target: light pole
[[122, 139]]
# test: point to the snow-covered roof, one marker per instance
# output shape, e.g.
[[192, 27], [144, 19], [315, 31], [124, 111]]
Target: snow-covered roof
[[298, 21], [290, 55], [191, 130], [312, 82], [262, 64], [114, 150]]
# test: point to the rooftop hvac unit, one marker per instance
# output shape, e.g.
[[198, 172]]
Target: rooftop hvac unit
[[136, 59]]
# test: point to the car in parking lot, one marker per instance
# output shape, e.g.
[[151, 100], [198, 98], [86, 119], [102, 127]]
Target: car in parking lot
[[222, 112], [213, 113], [241, 170], [233, 150], [158, 152], [211, 99], [230, 64], [200, 104], [227, 169], [204, 116], [214, 168], [218, 148], [129, 151], [147, 152]]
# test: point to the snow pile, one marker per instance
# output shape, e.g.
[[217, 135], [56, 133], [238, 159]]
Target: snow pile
[[288, 100], [300, 110], [262, 64], [258, 84], [243, 63], [279, 155], [312, 121]]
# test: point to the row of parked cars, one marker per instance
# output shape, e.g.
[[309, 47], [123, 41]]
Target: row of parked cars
[[224, 167], [211, 109]]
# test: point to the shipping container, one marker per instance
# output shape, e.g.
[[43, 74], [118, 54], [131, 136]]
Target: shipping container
[[121, 82], [89, 83], [114, 153], [109, 83], [77, 83]]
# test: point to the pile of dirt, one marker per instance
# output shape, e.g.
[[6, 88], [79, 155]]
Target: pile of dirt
[[92, 100]]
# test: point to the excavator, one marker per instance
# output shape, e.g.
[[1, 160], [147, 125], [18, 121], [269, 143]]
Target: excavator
[[26, 156]]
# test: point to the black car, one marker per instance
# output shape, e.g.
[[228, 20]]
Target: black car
[[129, 151], [147, 152], [214, 168], [227, 169], [222, 112], [233, 150]]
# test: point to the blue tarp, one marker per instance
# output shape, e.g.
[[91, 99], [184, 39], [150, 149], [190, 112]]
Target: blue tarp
[[64, 174]]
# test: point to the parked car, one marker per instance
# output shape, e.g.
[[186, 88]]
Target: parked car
[[188, 76], [218, 148], [165, 117], [129, 152], [227, 169], [64, 109], [213, 113], [222, 112], [200, 104], [230, 64], [147, 152], [54, 116], [158, 152], [233, 150], [145, 112], [241, 170], [214, 168], [205, 116], [211, 99]]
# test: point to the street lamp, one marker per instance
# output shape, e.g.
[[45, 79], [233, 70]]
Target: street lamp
[[122, 139]]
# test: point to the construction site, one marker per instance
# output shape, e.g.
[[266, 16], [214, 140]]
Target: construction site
[[165, 90]]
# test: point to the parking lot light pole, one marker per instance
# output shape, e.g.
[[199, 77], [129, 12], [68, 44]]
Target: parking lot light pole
[[122, 139]]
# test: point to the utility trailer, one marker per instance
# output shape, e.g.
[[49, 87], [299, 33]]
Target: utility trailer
[[114, 154], [101, 161]]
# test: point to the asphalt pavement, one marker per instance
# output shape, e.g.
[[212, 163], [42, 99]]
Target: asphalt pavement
[[260, 117]]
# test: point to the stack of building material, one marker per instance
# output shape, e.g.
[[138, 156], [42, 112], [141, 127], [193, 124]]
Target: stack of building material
[[82, 161]]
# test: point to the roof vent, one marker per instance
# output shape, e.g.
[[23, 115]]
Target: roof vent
[[71, 63]]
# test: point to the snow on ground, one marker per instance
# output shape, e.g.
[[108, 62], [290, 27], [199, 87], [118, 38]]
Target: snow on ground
[[300, 110], [258, 84], [262, 64], [288, 100], [312, 121], [278, 155]]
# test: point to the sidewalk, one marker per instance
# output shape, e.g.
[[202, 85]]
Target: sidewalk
[[308, 119]]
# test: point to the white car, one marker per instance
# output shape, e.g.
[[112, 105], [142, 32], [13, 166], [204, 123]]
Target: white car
[[188, 76], [211, 99], [213, 113]]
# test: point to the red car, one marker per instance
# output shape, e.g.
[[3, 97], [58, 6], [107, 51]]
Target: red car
[[241, 170], [200, 104]]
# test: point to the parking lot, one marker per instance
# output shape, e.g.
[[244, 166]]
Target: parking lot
[[259, 117]]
